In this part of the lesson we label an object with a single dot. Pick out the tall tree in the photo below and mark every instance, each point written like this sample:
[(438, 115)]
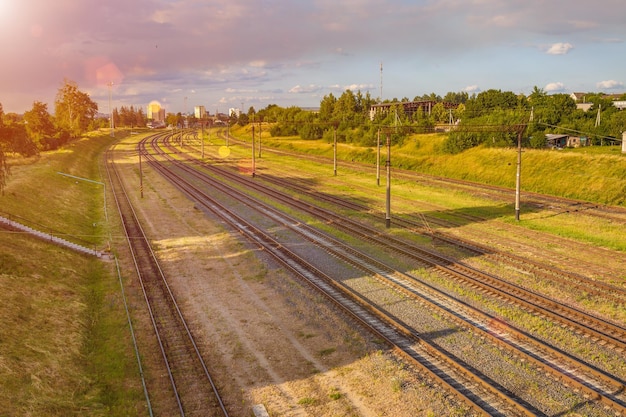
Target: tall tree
[(492, 99), (4, 167), (327, 107), (39, 124), (74, 109), (139, 119), (345, 108)]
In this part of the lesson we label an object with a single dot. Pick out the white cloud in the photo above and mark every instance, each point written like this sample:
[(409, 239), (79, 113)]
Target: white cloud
[(161, 16), (230, 90), (609, 84), (472, 89), (299, 89), (356, 87), (258, 64), (559, 48), (554, 87)]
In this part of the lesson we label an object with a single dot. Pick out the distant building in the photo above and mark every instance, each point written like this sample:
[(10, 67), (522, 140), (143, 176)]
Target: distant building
[(410, 107), (155, 112), (578, 97), (199, 112), (556, 141), (620, 104), (566, 141), (581, 102)]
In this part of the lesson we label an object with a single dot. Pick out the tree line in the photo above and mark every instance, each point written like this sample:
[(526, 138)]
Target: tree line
[(129, 117), (493, 117), (490, 117), (37, 130)]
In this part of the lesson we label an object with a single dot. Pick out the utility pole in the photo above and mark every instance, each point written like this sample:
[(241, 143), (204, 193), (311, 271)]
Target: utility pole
[(260, 136), (140, 175), (202, 137), (185, 122), (253, 160), (388, 199), (335, 150), (378, 157), (110, 84), (518, 174)]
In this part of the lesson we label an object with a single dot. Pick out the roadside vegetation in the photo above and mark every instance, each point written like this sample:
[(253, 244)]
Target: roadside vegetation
[(64, 339), (480, 143), (595, 174)]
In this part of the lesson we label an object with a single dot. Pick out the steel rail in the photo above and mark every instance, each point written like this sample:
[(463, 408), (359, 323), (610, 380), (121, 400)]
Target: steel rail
[(604, 396), (164, 332), (288, 257)]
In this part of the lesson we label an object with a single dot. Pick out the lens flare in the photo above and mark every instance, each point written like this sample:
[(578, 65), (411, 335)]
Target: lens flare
[(224, 151)]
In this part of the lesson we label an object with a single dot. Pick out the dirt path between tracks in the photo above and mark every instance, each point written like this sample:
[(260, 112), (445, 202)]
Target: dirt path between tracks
[(267, 338)]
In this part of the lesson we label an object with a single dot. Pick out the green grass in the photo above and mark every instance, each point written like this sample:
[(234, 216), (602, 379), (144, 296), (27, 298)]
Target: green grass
[(596, 174), (64, 339), (307, 401)]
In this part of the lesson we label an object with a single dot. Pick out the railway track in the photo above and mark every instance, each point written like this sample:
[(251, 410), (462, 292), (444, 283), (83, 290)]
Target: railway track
[(557, 204), (602, 330), (596, 390), (588, 285), (604, 281), (471, 388), (192, 391)]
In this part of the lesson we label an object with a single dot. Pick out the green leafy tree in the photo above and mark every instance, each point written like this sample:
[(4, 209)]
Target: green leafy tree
[(18, 140), (439, 113), (39, 124), (242, 120), (75, 111), (140, 117), (124, 117), (555, 108), (116, 118), (456, 98), (345, 109), (252, 115), (489, 100), (4, 167), (459, 112), (308, 128), (327, 108)]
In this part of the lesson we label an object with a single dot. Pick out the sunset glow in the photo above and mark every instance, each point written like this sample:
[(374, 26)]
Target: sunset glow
[(222, 53)]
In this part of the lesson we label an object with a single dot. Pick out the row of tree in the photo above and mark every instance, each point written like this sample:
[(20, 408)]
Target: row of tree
[(492, 117), (129, 117), (37, 129)]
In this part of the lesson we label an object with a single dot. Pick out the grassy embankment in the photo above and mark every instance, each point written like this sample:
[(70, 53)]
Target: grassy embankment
[(596, 174), (593, 174), (64, 340)]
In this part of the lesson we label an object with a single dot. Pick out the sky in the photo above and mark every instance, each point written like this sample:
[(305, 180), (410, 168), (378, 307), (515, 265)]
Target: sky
[(225, 54)]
